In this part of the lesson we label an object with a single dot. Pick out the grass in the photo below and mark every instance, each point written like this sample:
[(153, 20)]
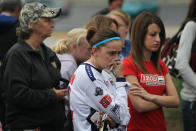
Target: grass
[(174, 116)]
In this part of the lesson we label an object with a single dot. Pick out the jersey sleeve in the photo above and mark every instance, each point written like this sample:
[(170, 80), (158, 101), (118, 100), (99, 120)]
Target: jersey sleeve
[(114, 105), (129, 68), (164, 67)]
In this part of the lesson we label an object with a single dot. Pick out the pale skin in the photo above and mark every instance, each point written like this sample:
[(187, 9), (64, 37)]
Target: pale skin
[(82, 51), (141, 100), (41, 31), (107, 57)]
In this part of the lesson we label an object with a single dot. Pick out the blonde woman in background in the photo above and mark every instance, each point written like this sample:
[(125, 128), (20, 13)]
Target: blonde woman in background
[(124, 24), (60, 47), (72, 51)]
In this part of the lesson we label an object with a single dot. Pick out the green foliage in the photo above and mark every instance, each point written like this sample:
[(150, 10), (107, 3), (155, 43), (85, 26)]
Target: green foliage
[(178, 84), (173, 116)]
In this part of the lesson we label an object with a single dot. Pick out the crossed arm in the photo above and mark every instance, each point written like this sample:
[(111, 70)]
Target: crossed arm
[(143, 101)]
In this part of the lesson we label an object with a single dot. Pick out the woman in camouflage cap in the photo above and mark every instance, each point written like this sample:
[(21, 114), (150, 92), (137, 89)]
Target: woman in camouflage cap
[(31, 74)]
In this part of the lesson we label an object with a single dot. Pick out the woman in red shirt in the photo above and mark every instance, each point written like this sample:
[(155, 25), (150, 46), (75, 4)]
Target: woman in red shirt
[(152, 87)]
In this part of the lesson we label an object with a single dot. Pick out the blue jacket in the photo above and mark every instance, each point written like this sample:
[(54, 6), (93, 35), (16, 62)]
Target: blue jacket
[(8, 36), (125, 50)]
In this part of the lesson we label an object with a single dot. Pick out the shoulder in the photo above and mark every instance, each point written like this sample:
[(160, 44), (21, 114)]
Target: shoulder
[(188, 35), (164, 67), (129, 67), (83, 77), (162, 63), (190, 25), (106, 73), (7, 22), (128, 44), (66, 58), (128, 63), (89, 69), (128, 60), (17, 54), (16, 49), (68, 63)]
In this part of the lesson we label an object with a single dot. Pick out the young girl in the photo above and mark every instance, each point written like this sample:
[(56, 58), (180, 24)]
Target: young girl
[(152, 87), (92, 89)]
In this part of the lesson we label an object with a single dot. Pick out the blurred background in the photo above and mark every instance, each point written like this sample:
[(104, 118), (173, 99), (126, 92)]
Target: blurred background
[(76, 13)]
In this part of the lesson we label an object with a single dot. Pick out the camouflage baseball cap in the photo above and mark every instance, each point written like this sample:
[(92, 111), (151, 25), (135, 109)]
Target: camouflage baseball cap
[(35, 10)]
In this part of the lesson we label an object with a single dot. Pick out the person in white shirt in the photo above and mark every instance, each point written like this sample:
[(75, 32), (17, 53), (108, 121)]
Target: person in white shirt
[(72, 51), (91, 89)]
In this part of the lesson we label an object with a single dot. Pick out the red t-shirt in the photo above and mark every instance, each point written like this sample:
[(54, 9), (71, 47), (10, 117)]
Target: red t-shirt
[(154, 83)]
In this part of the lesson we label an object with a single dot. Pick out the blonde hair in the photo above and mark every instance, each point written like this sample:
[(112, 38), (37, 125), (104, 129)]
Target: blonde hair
[(123, 15), (75, 36), (61, 47)]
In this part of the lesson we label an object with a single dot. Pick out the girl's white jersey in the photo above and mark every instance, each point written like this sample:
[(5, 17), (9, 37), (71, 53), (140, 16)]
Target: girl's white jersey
[(91, 88)]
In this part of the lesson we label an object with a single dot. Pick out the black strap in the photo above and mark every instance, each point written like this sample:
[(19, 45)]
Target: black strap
[(93, 126), (65, 83), (176, 37)]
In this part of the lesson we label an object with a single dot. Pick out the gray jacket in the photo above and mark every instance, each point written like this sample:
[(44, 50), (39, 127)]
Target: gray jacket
[(182, 63)]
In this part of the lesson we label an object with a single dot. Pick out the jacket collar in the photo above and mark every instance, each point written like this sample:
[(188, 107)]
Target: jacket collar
[(29, 49)]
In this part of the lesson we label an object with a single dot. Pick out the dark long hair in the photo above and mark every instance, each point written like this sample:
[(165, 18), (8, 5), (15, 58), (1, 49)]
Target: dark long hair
[(138, 33)]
